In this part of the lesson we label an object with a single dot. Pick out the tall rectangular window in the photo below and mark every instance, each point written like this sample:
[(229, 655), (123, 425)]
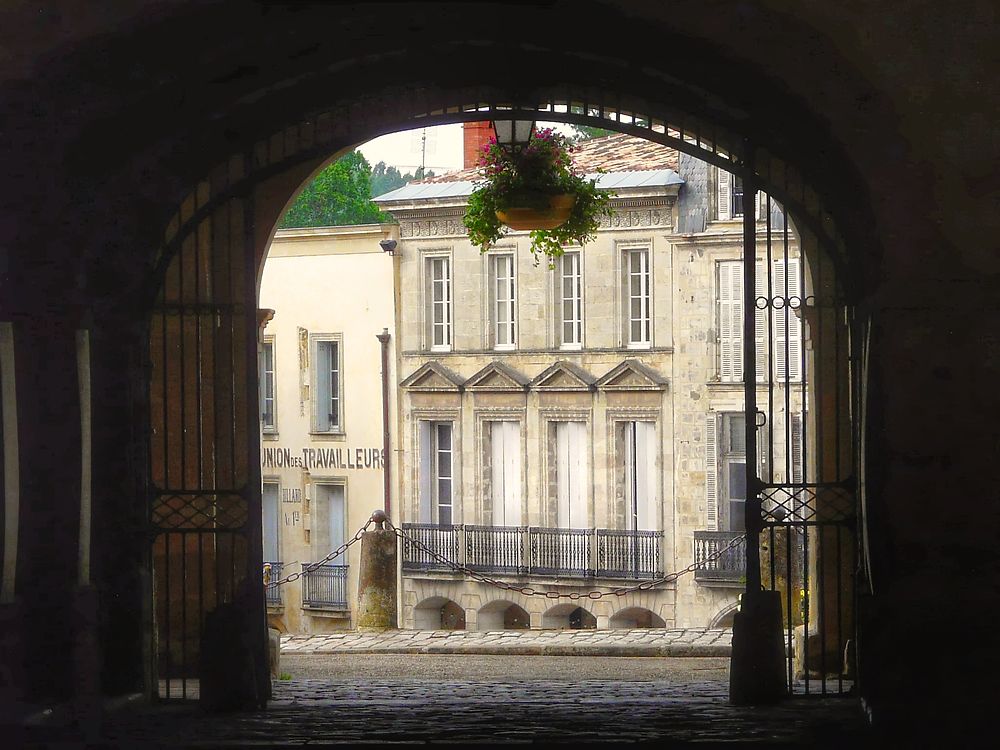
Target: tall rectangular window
[(271, 520), (504, 462), (437, 473), (637, 473), (571, 474), (503, 301), (439, 299), (267, 386), (570, 301), (785, 345), (637, 298), (329, 526), (726, 470), (327, 411)]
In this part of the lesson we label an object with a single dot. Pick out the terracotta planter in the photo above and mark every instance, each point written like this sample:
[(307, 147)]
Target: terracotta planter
[(559, 210)]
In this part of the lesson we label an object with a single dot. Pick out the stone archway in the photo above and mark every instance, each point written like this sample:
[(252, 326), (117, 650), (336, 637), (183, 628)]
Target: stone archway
[(209, 268)]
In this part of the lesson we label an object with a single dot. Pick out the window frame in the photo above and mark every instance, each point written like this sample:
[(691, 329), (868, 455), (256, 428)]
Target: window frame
[(272, 480), (576, 302), (493, 279), (268, 343), (316, 341), (626, 254), (317, 517), (431, 302)]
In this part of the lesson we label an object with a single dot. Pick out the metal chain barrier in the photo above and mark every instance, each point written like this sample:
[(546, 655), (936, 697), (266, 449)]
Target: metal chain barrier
[(571, 595), (313, 566)]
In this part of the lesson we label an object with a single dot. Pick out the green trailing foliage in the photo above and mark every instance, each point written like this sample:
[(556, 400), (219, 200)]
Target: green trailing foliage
[(529, 178)]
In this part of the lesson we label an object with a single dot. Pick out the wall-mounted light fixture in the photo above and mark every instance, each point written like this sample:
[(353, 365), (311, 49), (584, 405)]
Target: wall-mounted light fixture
[(388, 246)]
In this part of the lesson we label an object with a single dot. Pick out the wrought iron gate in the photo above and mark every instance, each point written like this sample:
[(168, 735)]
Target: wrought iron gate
[(797, 327), (204, 465)]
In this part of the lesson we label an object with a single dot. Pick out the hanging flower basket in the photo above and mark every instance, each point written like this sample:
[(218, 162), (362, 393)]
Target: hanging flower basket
[(535, 188), (555, 213)]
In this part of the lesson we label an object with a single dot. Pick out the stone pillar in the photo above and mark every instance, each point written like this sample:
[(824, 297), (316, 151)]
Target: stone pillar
[(377, 578), (757, 664)]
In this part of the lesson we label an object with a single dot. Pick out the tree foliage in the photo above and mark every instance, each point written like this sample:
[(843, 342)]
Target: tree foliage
[(385, 179), (586, 132), (340, 194)]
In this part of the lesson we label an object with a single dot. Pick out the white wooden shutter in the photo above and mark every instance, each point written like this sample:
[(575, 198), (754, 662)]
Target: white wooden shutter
[(426, 474), (760, 323), (797, 464), (506, 471), (787, 325), (724, 194), (712, 472), (730, 321), (571, 474), (336, 514), (645, 469), (269, 503)]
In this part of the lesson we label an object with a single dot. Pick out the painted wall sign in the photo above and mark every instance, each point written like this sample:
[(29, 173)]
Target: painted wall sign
[(323, 458)]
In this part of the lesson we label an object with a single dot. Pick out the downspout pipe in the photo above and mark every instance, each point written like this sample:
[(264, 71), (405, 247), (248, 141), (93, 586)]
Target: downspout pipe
[(386, 452)]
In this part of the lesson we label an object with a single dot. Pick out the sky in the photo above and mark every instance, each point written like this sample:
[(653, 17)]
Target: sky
[(408, 149)]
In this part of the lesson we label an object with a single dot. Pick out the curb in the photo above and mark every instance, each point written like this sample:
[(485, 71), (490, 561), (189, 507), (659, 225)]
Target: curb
[(674, 650)]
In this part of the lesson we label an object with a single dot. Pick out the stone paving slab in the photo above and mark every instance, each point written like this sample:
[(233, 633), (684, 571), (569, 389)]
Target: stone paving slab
[(641, 642)]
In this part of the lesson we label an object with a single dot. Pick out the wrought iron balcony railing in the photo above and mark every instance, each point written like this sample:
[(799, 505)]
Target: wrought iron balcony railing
[(272, 594), (325, 586), (530, 550), (730, 566)]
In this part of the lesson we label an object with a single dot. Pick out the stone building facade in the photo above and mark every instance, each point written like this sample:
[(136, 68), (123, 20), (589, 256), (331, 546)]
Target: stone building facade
[(575, 426)]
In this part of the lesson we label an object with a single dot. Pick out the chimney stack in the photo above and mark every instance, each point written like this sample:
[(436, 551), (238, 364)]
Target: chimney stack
[(475, 135)]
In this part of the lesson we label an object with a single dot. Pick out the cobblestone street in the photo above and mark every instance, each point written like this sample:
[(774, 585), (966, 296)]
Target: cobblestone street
[(336, 698)]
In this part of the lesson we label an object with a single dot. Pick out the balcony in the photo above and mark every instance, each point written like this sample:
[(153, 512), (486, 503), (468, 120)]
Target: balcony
[(272, 594), (530, 550), (325, 587), (730, 568)]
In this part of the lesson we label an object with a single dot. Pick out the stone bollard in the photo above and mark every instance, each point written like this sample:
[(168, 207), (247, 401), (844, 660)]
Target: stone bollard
[(377, 578), (757, 665)]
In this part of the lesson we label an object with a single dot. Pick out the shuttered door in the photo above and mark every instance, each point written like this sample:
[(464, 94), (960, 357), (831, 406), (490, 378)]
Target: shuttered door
[(506, 473), (571, 474)]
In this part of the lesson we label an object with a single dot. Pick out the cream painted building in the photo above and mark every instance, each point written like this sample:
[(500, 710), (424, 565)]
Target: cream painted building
[(322, 450), (577, 427)]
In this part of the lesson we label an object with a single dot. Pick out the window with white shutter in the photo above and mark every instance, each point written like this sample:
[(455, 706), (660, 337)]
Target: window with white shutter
[(730, 322), (267, 386), (437, 498), (787, 324), (571, 474), (330, 524), (711, 471), (439, 303), (639, 475), (503, 301), (637, 298), (729, 197), (327, 390), (569, 301), (724, 195), (271, 515), (505, 472)]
